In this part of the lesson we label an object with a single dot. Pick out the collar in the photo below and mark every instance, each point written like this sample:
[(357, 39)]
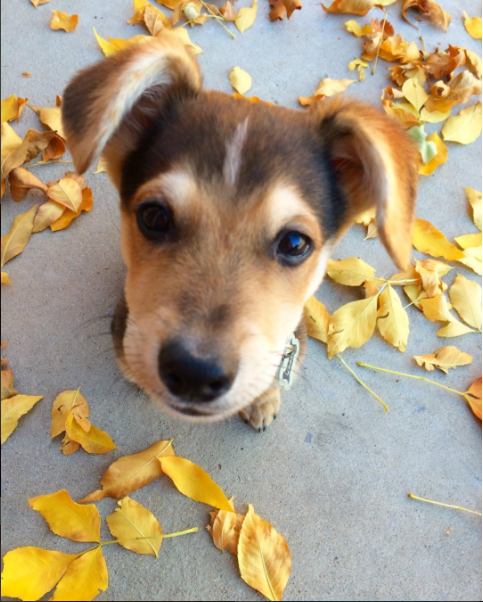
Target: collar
[(285, 374)]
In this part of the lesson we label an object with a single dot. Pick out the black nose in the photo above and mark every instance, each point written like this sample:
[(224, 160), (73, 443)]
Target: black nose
[(192, 378)]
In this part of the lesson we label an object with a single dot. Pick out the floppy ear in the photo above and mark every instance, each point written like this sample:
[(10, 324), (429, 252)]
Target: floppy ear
[(108, 106), (376, 164)]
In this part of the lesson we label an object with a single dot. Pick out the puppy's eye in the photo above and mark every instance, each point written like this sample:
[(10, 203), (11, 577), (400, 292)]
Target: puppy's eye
[(154, 219), (293, 247)]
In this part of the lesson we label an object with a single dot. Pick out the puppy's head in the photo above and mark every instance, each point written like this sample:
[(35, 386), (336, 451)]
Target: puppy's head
[(229, 213)]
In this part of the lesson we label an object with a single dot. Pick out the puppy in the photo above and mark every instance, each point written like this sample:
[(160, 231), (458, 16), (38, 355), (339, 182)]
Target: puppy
[(229, 212)]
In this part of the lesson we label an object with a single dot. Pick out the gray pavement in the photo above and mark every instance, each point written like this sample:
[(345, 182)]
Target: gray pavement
[(332, 474)]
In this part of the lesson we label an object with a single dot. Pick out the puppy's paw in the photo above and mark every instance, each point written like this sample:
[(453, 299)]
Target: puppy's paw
[(263, 410)]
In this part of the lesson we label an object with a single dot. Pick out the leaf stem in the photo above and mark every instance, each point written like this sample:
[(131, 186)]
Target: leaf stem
[(363, 384), (421, 499), (219, 20), (50, 161), (426, 380), (380, 43), (163, 536)]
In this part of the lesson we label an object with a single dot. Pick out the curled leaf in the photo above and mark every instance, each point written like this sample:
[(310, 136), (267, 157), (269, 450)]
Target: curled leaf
[(474, 199), (94, 441), (68, 215), (51, 117), (132, 472), (63, 404), (12, 108), (430, 8), (21, 181), (67, 192), (444, 358), (63, 21), (66, 518)]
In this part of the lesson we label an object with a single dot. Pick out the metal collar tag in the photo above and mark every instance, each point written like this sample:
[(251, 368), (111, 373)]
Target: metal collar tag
[(289, 359)]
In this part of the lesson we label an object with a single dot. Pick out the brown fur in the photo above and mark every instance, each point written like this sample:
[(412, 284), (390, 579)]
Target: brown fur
[(234, 175)]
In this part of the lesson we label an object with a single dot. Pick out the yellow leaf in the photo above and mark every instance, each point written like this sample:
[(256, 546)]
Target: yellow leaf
[(38, 2), (463, 86), (431, 272), (444, 358), (66, 518), (473, 26), (68, 215), (393, 321), (12, 108), (29, 573), (153, 18), (465, 296), (225, 529), (194, 482), (414, 93), (429, 240), (403, 112), (83, 578), (354, 28), (67, 192), (132, 472), (94, 441), (14, 154), (436, 309), (473, 62), (240, 80), (316, 319), (13, 408), (331, 87), (51, 117), (5, 279), (352, 325), (245, 17), (132, 520), (16, 239), (107, 47), (439, 159), (63, 404), (469, 240), (453, 329), (474, 199), (171, 4), (101, 166), (473, 397), (263, 556), (430, 8), (351, 271), (48, 213), (21, 181), (63, 21), (472, 259), (465, 127), (355, 7)]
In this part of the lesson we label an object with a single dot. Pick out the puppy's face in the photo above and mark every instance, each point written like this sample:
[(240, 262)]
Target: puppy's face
[(229, 213)]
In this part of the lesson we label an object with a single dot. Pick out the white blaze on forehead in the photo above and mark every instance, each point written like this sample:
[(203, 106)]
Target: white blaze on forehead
[(284, 204), (233, 155), (177, 186)]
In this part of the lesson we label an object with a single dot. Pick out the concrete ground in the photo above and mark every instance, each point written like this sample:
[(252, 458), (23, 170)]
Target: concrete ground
[(332, 474)]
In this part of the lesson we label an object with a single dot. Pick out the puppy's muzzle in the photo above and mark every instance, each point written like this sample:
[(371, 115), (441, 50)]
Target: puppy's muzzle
[(194, 379)]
